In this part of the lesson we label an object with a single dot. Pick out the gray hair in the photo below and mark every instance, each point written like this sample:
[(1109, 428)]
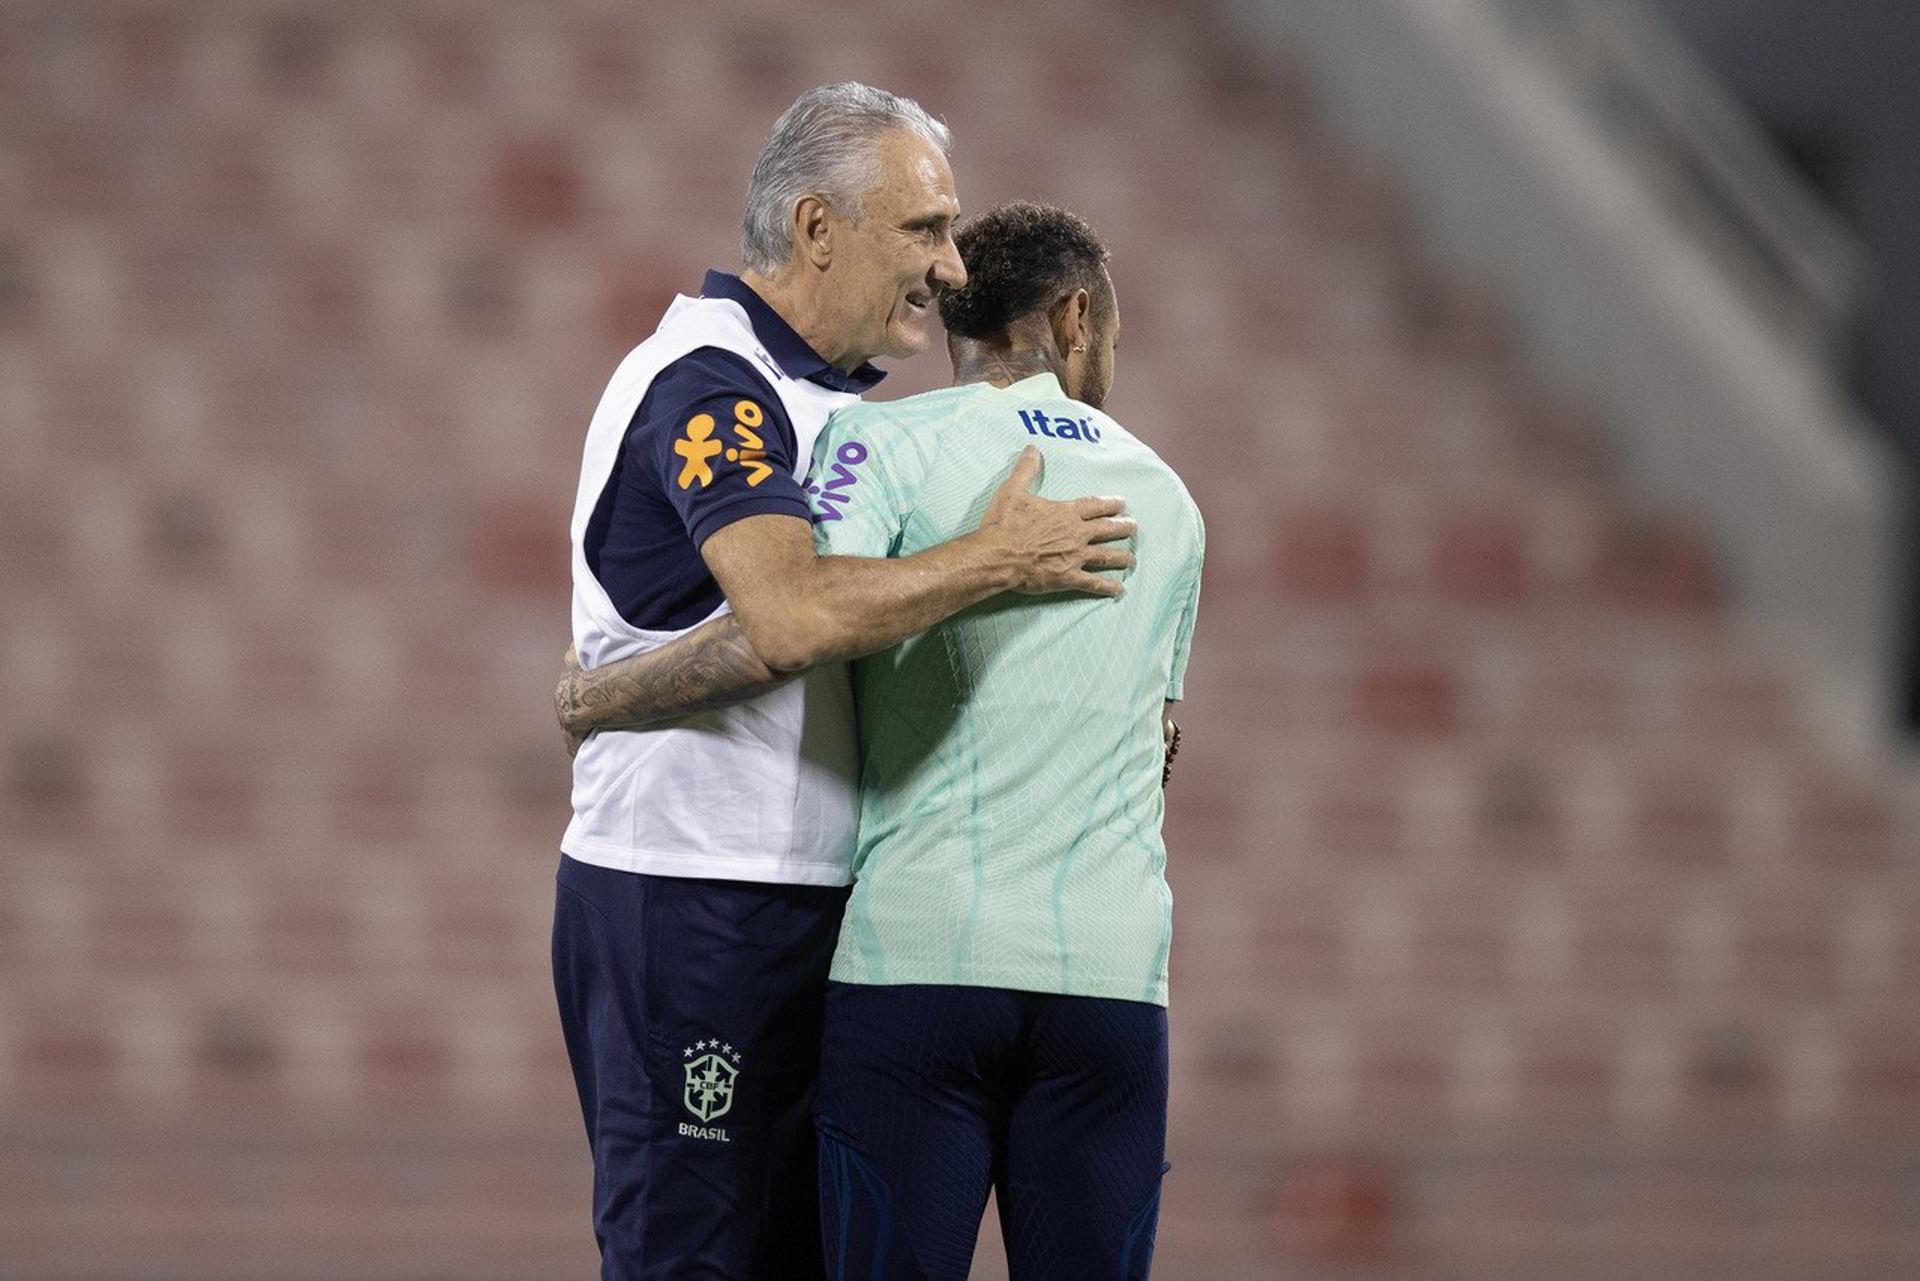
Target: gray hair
[(824, 145)]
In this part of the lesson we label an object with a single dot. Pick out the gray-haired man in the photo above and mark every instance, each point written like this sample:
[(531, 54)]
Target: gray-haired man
[(704, 872)]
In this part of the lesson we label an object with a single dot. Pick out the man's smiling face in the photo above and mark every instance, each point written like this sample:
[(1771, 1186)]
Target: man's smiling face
[(900, 252)]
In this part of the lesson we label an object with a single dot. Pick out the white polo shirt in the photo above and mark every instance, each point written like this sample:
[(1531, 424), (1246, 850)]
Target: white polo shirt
[(765, 790)]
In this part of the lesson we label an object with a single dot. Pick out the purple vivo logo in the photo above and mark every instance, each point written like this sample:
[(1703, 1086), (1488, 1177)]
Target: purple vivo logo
[(837, 489)]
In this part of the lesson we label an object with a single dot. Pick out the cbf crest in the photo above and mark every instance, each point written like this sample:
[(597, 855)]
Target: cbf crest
[(712, 1068)]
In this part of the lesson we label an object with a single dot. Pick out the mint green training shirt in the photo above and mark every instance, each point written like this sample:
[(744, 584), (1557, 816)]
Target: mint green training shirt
[(1010, 789)]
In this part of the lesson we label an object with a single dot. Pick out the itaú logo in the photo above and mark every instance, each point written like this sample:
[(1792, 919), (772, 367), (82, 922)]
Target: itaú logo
[(1038, 424)]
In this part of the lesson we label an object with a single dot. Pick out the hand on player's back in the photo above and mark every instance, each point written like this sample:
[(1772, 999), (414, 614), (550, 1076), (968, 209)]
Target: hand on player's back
[(1054, 546)]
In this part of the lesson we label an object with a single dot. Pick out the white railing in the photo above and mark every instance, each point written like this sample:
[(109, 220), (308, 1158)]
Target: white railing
[(1660, 261), (1724, 182)]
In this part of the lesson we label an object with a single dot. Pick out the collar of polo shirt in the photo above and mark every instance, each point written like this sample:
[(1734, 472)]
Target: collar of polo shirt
[(788, 349)]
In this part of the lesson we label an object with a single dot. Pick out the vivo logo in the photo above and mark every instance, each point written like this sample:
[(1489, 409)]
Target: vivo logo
[(836, 489), (1038, 424)]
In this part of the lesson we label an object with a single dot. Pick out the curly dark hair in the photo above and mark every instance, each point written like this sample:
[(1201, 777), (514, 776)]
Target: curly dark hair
[(1021, 258)]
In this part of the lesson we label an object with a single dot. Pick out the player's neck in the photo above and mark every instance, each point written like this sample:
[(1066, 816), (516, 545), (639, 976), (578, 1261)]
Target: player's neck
[(1002, 363)]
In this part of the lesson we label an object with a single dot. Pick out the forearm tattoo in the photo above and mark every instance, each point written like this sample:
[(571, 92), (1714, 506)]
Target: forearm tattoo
[(714, 666)]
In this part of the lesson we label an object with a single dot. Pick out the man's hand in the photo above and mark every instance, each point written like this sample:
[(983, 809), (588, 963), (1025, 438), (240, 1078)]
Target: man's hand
[(1050, 546)]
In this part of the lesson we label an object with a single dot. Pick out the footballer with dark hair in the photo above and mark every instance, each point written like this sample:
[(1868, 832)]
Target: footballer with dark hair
[(996, 1016), (1029, 269)]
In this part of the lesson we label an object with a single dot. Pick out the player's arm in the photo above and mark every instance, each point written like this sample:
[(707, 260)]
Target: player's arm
[(800, 609), (710, 667), (791, 610), (794, 609)]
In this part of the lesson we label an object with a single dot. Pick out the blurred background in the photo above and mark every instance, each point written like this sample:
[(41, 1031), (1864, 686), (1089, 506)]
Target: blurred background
[(1543, 843)]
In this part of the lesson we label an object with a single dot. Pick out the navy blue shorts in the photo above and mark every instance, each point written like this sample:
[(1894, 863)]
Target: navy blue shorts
[(692, 1013), (929, 1095)]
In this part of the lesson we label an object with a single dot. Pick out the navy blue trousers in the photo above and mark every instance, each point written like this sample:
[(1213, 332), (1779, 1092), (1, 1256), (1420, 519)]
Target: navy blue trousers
[(929, 1095), (692, 1013)]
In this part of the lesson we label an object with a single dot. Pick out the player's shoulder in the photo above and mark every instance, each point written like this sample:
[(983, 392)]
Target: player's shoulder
[(1176, 487), (1114, 434), (707, 380), (913, 420), (901, 414), (712, 371)]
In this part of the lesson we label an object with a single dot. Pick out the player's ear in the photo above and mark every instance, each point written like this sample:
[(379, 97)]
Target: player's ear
[(813, 231), (1071, 330)]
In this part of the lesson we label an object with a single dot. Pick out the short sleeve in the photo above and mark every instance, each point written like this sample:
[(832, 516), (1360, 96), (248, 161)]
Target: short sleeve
[(720, 443), (861, 474)]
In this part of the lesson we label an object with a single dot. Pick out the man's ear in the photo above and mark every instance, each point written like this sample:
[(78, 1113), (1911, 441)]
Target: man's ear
[(1071, 332), (813, 231)]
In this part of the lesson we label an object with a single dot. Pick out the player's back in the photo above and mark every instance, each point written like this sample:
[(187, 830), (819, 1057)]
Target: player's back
[(1010, 792)]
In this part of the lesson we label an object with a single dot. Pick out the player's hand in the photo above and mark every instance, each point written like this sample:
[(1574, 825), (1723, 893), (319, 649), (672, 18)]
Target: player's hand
[(1056, 547), (566, 698)]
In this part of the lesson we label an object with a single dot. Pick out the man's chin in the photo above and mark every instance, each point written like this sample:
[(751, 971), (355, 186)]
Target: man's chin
[(904, 342)]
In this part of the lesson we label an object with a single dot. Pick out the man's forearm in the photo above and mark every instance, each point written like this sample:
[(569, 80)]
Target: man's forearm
[(801, 610), (711, 666), (856, 605)]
